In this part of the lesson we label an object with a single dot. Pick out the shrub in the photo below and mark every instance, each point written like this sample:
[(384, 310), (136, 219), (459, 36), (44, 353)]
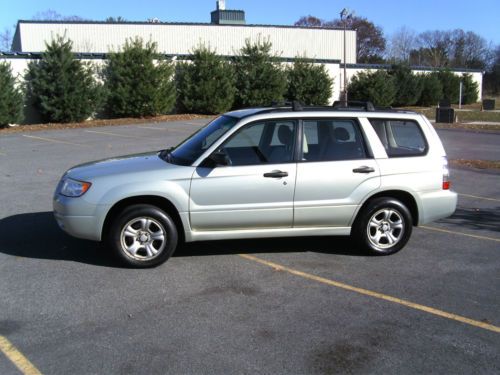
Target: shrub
[(260, 78), (135, 85), (206, 84), (432, 89), (408, 85), (470, 90), (11, 97), (451, 85), (308, 83), (377, 87), (62, 88)]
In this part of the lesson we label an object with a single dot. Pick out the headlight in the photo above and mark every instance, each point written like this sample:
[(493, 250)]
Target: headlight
[(74, 188)]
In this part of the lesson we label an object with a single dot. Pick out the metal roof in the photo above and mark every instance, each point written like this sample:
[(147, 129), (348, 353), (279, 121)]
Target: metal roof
[(182, 24)]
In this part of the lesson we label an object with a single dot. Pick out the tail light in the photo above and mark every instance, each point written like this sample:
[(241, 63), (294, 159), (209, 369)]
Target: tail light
[(446, 174)]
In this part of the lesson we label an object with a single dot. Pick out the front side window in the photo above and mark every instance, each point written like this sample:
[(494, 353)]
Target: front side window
[(400, 137), (269, 142), (332, 139), (192, 148)]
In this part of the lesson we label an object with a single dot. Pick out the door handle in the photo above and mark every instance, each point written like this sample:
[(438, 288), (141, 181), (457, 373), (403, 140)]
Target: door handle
[(276, 174), (363, 169)]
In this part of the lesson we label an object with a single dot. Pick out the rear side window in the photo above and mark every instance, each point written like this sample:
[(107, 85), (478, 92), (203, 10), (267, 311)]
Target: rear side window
[(332, 139), (400, 137)]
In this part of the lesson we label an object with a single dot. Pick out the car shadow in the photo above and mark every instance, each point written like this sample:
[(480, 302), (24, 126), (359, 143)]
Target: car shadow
[(475, 218), (37, 235), (331, 245)]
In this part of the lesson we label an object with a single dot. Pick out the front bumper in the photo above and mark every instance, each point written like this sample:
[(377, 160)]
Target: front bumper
[(78, 217)]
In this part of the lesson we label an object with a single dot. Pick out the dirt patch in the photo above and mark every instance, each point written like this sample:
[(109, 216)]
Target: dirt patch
[(479, 164), (470, 127), (100, 123)]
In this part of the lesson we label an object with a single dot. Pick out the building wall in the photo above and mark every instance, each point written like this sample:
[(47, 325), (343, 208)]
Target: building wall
[(179, 39)]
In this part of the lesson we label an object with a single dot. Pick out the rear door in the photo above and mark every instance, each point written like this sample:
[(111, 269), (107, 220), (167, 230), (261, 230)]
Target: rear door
[(334, 174)]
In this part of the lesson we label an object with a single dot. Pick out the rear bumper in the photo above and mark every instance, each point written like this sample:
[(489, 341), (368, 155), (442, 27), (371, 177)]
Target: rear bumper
[(436, 205)]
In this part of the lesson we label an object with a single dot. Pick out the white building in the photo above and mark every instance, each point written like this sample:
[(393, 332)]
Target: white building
[(181, 38)]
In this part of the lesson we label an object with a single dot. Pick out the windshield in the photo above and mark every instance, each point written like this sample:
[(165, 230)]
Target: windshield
[(192, 148)]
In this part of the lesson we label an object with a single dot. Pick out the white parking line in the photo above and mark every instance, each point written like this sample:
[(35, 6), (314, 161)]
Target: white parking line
[(54, 140), (116, 135), (193, 123)]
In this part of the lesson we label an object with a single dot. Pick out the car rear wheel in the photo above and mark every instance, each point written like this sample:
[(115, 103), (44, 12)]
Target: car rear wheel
[(383, 227), (143, 236)]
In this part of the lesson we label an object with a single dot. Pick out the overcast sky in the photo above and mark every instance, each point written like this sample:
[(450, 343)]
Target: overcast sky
[(480, 16)]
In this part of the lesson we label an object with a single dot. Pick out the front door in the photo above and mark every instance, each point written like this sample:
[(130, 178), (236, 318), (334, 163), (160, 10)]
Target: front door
[(256, 188)]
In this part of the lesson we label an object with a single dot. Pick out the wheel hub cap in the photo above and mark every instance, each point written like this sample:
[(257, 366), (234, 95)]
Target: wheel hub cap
[(143, 238), (385, 228)]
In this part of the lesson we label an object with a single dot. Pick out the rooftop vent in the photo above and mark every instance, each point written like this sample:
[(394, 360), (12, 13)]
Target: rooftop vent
[(221, 16)]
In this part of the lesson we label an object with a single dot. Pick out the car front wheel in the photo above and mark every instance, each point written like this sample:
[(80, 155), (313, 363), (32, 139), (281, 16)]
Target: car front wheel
[(384, 226), (143, 236)]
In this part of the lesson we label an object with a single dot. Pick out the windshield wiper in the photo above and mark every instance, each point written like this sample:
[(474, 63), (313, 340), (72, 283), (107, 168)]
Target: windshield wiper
[(166, 155)]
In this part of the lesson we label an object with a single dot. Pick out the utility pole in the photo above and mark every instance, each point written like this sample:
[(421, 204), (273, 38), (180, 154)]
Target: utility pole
[(345, 15)]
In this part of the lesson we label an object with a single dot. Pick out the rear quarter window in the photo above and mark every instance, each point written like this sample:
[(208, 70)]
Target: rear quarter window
[(400, 137)]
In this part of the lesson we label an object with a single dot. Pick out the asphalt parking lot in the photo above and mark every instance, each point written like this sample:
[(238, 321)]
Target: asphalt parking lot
[(290, 306)]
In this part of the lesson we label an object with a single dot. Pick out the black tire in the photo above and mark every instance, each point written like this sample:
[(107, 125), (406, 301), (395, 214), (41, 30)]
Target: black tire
[(383, 220), (140, 228)]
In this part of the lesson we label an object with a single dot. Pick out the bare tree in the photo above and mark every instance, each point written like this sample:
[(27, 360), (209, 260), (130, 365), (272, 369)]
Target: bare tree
[(492, 76), (470, 50), (370, 38), (402, 43), (6, 40), (436, 48), (309, 21), (52, 15)]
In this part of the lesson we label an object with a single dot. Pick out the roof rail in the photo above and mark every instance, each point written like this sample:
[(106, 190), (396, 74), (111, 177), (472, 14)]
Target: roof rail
[(338, 106), (354, 104), (295, 104)]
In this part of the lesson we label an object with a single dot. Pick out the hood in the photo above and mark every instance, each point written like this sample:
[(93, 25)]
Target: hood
[(137, 163)]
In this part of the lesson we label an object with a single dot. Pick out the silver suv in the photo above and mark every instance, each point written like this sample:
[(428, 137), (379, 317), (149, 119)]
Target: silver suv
[(266, 172)]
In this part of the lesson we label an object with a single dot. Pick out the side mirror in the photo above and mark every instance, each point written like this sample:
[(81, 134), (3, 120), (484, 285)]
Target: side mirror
[(217, 159)]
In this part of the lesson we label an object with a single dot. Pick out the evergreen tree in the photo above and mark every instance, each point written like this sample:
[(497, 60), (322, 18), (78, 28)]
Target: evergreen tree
[(432, 89), (470, 90), (138, 81), (451, 85), (206, 84), (62, 88), (11, 97), (408, 85), (308, 83), (260, 79), (377, 87)]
